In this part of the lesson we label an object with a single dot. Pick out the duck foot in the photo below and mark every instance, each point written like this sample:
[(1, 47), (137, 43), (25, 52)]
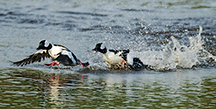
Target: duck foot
[(123, 64), (83, 64), (52, 63)]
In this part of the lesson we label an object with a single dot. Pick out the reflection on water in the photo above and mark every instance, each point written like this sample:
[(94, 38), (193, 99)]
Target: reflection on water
[(26, 88), (54, 89)]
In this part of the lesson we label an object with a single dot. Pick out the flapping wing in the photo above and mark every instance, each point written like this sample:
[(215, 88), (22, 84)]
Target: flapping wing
[(36, 57)]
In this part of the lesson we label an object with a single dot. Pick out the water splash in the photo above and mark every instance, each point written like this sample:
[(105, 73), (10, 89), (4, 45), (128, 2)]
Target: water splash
[(175, 55)]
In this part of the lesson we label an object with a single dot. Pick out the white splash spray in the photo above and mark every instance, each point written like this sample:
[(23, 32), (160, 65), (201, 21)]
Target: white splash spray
[(175, 55)]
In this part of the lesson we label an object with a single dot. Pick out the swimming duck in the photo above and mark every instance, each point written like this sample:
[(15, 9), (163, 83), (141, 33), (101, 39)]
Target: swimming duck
[(57, 52), (120, 58)]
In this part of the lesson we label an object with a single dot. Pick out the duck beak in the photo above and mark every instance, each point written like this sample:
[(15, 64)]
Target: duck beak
[(38, 48), (95, 51)]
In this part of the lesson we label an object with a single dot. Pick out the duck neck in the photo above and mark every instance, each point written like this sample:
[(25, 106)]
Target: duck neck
[(49, 46), (103, 50)]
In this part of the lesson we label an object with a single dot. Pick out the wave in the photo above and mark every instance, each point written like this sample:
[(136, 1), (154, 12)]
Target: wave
[(175, 55)]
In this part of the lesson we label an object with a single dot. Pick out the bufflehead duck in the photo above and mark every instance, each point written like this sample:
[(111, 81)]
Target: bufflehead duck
[(120, 58), (57, 52)]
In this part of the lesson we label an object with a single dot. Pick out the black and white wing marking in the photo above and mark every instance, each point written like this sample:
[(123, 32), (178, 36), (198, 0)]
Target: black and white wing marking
[(67, 58), (121, 53), (36, 57), (62, 46)]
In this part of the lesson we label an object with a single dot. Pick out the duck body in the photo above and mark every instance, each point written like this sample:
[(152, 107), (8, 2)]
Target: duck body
[(63, 55), (120, 58), (112, 58), (58, 53)]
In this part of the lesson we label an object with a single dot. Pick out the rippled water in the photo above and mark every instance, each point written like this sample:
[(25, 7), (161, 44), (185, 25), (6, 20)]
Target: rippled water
[(32, 88), (166, 35)]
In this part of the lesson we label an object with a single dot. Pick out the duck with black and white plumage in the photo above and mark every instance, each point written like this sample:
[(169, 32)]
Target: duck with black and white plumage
[(120, 59), (59, 53)]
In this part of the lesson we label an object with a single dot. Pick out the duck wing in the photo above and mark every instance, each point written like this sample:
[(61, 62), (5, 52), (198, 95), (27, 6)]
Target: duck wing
[(121, 53), (36, 57)]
